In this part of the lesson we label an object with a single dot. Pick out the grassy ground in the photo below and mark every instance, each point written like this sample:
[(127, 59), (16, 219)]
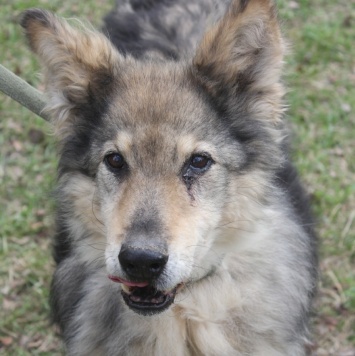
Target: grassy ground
[(321, 77)]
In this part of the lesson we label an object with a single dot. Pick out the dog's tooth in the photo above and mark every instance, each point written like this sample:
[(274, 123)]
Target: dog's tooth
[(158, 300), (126, 289), (135, 298)]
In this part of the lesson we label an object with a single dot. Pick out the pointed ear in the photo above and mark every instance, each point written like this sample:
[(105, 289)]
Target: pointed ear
[(79, 66), (242, 55)]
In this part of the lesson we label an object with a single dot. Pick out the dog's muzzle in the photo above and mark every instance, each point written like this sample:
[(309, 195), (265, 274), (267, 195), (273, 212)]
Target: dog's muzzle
[(143, 267)]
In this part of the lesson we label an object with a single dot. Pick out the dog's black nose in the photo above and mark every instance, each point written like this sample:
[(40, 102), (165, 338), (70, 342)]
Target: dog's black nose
[(142, 264)]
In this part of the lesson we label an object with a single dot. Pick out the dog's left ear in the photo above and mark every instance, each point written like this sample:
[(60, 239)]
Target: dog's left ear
[(241, 56), (79, 67)]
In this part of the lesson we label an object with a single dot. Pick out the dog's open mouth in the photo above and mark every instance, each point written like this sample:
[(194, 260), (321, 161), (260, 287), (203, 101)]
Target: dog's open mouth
[(147, 300), (144, 298)]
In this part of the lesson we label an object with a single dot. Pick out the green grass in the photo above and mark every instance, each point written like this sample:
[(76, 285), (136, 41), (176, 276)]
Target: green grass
[(322, 102), (321, 77)]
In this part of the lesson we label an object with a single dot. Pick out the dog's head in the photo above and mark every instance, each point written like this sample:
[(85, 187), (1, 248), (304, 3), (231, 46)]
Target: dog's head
[(165, 161)]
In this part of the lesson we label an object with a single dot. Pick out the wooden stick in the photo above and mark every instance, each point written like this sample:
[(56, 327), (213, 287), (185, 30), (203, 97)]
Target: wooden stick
[(22, 92)]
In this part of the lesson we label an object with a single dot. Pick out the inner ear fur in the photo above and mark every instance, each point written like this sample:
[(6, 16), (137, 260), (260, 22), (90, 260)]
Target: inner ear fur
[(243, 55), (79, 65)]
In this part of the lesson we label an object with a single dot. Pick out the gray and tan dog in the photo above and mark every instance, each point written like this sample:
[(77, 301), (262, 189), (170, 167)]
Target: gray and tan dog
[(182, 228)]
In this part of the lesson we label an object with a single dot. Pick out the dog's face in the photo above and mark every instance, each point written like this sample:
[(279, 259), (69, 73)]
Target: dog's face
[(162, 184), (170, 153)]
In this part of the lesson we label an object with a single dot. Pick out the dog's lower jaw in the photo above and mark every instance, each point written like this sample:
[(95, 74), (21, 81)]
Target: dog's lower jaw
[(148, 300)]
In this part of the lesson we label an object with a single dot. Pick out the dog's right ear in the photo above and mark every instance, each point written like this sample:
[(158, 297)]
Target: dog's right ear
[(79, 66)]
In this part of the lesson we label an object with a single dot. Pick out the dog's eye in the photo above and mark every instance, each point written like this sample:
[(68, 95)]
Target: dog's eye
[(115, 161), (200, 162), (197, 165)]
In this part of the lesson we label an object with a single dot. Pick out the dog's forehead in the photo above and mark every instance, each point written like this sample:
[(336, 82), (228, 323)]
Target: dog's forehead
[(156, 95), (157, 110)]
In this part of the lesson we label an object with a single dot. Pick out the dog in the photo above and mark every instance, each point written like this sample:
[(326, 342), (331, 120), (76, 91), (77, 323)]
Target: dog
[(181, 224)]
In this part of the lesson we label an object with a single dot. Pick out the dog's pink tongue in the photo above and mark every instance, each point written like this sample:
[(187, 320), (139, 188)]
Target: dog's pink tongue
[(127, 283)]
